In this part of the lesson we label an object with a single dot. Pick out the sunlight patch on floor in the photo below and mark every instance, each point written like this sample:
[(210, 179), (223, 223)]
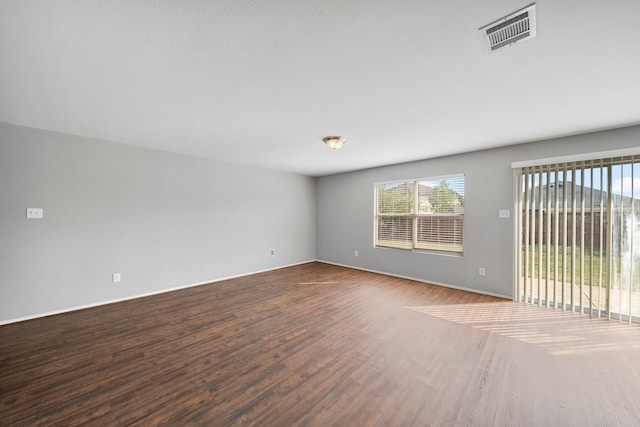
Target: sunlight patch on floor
[(562, 333)]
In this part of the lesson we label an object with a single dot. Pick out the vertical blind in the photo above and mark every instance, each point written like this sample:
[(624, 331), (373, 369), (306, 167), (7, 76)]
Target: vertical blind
[(425, 214), (579, 228)]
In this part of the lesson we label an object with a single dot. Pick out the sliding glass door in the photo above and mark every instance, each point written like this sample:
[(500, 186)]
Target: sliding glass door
[(579, 230)]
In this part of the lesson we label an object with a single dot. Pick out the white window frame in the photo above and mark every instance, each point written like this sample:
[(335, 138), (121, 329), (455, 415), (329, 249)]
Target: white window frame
[(455, 244)]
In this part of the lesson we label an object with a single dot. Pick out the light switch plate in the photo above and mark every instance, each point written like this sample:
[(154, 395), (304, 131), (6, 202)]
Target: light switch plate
[(35, 213), (504, 213)]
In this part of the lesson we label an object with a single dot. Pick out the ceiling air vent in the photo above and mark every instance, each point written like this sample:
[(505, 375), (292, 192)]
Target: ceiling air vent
[(518, 26)]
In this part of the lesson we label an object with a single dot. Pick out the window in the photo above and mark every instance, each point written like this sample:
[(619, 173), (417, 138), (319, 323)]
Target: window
[(579, 229), (421, 215)]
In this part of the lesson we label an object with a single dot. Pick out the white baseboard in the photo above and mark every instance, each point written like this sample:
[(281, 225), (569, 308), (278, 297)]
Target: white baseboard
[(431, 282), (177, 288)]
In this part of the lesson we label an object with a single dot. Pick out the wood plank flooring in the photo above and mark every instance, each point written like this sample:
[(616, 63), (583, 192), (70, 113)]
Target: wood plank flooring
[(319, 345)]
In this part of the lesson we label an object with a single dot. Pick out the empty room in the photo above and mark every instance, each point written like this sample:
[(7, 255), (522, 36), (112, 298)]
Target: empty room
[(362, 213)]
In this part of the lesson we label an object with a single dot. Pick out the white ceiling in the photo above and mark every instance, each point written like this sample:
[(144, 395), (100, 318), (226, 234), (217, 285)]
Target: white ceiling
[(261, 82)]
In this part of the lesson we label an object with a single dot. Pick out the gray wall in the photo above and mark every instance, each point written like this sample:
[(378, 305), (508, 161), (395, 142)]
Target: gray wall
[(346, 208), (162, 220)]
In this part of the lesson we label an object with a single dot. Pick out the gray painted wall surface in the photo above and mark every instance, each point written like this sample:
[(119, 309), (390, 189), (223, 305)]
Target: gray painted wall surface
[(162, 220), (165, 220), (346, 211)]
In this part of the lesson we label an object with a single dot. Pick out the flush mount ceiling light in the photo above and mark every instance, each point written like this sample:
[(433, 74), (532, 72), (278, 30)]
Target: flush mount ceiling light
[(334, 142)]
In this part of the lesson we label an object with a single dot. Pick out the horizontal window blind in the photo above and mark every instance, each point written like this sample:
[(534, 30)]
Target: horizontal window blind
[(426, 214)]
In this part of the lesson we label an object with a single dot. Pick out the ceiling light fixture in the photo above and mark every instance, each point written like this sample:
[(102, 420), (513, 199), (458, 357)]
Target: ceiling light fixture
[(334, 142)]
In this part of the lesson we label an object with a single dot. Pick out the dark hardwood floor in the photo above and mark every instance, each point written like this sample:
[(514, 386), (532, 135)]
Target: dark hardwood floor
[(319, 345)]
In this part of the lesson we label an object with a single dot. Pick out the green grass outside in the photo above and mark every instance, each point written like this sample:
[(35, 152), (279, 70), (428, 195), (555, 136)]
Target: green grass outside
[(595, 268)]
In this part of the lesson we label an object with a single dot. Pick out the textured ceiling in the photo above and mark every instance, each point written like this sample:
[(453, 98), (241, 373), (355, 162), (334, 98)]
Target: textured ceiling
[(261, 82)]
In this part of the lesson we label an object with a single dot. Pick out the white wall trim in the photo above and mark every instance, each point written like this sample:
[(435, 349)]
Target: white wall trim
[(429, 282), (177, 288), (113, 301), (577, 157)]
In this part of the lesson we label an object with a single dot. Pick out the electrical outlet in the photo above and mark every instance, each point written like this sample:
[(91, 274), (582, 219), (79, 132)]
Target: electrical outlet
[(482, 271), (116, 277), (355, 253)]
